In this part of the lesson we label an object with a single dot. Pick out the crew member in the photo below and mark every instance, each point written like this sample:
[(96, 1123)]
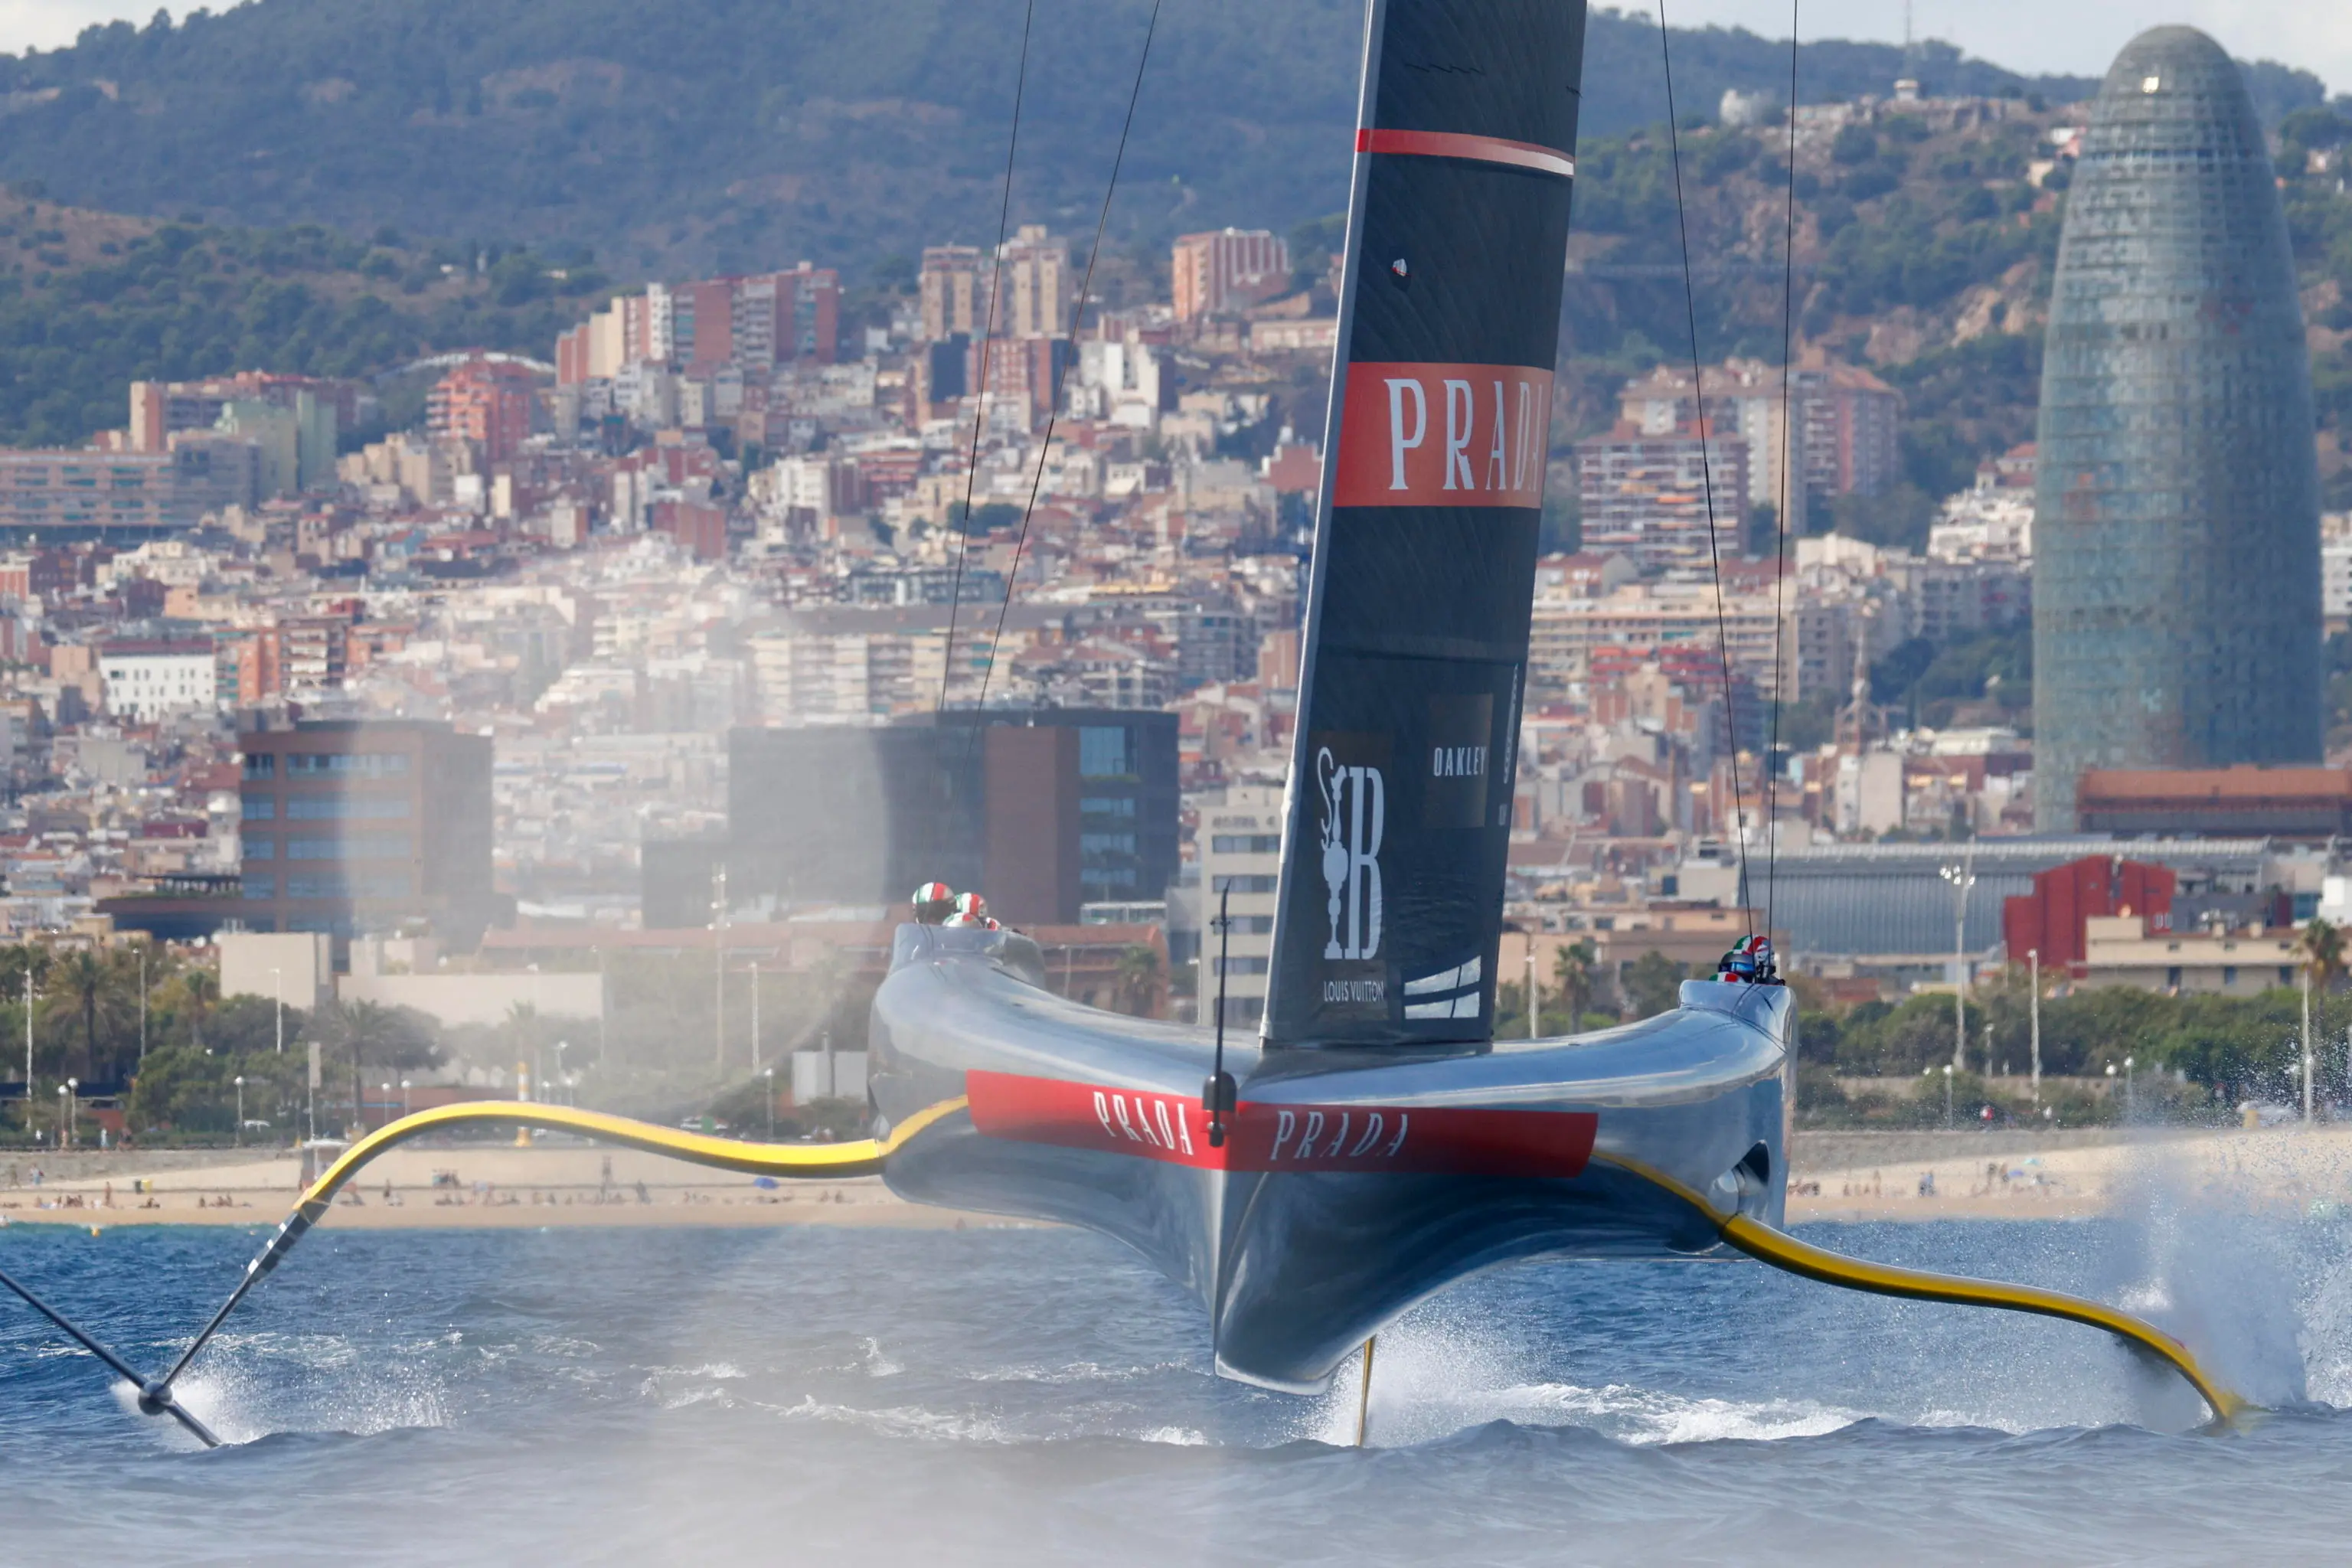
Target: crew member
[(1749, 962), (934, 902)]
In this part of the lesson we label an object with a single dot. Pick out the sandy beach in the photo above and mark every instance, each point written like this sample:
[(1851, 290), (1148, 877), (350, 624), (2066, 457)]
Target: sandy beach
[(1992, 1176), (466, 1185), (558, 1182)]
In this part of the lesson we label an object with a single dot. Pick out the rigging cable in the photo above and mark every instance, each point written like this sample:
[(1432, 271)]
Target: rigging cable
[(1780, 512), (1078, 319), (980, 397), (1706, 469)]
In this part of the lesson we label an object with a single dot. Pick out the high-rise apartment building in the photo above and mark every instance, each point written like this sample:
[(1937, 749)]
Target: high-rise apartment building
[(1042, 810), (753, 323), (294, 419), (1034, 267), (1846, 427), (702, 325), (486, 402), (1241, 860), (1848, 436), (1649, 495), (352, 826), (2175, 532), (1225, 269), (953, 289)]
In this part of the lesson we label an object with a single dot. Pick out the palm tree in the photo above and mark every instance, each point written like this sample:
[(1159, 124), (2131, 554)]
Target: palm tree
[(1138, 980), (92, 986), (202, 988), (365, 1031), (2322, 944), (1572, 971)]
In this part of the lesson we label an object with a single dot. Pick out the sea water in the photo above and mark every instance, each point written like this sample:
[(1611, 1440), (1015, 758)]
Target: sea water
[(1015, 1396)]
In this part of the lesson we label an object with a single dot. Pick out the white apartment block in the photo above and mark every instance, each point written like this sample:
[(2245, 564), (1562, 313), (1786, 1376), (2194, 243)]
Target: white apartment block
[(2335, 567), (146, 680), (1241, 850), (812, 675)]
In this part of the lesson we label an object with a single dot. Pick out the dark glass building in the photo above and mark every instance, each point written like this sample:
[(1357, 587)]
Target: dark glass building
[(1042, 810), (2175, 575), (360, 826)]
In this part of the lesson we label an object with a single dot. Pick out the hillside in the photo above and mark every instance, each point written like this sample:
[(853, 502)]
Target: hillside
[(720, 133), (855, 133), (91, 301), (1924, 254)]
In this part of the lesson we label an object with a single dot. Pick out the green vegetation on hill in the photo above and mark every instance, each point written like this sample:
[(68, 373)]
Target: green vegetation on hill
[(90, 302), (1926, 255), (719, 135), (725, 132)]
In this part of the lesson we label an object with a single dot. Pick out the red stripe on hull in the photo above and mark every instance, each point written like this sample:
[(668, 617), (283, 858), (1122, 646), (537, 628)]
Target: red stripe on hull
[(1173, 1129)]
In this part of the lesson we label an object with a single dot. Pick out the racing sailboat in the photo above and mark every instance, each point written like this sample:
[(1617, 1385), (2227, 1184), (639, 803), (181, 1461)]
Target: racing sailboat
[(1376, 1143)]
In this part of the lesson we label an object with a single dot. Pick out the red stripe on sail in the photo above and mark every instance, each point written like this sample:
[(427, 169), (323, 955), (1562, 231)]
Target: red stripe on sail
[(1420, 1141), (1459, 144)]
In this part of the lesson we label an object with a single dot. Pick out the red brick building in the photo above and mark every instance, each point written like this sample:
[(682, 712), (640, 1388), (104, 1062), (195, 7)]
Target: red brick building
[(2049, 919), (486, 403)]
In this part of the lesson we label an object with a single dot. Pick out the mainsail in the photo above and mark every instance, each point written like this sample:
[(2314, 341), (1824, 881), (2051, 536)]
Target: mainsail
[(1416, 639)]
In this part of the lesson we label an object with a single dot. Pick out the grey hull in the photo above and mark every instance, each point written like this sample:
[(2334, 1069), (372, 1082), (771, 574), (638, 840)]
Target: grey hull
[(1356, 1183)]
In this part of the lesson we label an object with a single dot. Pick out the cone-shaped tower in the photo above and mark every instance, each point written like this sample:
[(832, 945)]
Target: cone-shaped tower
[(2176, 578)]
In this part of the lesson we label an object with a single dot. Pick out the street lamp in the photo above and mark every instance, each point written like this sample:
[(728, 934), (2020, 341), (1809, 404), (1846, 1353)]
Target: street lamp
[(561, 1076), (404, 1096), (2033, 960), (65, 1116), (2130, 1106), (387, 1105), (2310, 1059), (1535, 1006), (1948, 1097), (769, 1074), (2111, 1078), (719, 965), (239, 1139), (1962, 876)]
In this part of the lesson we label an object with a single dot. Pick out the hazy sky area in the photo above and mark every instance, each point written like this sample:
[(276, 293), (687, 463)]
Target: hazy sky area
[(2080, 38), (2024, 35)]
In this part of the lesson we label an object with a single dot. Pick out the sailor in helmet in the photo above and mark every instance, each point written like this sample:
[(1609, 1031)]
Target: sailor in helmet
[(972, 910), (1749, 962), (934, 902)]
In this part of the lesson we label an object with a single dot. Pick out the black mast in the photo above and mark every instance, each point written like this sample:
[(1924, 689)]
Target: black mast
[(1400, 812)]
